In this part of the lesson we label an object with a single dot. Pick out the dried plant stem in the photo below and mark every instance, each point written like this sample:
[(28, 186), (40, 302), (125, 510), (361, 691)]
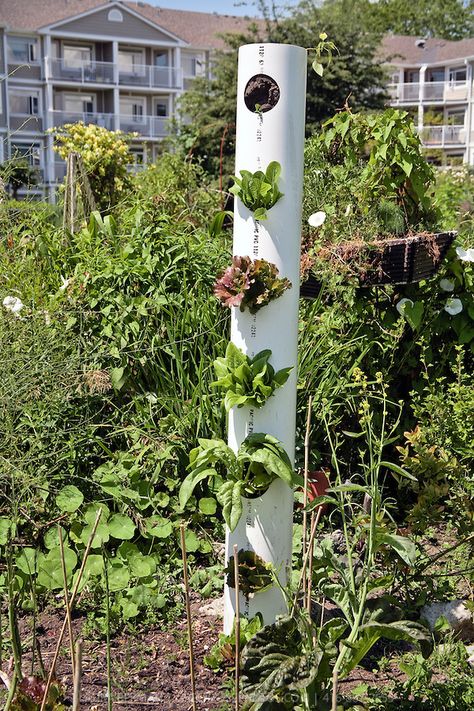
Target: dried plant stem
[(310, 565), (76, 699), (305, 561), (237, 627), (305, 486), (188, 616), (66, 602), (334, 690), (107, 634), (71, 603)]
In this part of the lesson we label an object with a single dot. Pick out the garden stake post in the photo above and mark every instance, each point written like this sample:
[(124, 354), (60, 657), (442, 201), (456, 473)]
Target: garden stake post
[(270, 127)]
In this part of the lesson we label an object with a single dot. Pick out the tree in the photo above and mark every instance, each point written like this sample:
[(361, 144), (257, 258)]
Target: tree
[(17, 173), (353, 76), (447, 19)]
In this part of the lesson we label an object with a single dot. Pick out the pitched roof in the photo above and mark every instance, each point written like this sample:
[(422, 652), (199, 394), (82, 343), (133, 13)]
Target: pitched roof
[(414, 51), (199, 29)]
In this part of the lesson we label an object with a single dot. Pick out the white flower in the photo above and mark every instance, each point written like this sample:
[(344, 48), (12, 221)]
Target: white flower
[(446, 285), (465, 255), (317, 219), (453, 306), (348, 210), (65, 283), (402, 305), (13, 304)]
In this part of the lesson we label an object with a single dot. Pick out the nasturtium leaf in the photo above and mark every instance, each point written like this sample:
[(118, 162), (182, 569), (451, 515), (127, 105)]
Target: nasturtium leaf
[(27, 561), (121, 527), (51, 537), (191, 541), (50, 574), (69, 499), (118, 575), (5, 528), (158, 527), (129, 608), (208, 506)]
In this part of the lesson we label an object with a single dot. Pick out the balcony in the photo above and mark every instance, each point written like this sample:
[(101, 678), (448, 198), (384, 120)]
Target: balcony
[(25, 122), (81, 72), (443, 136), (430, 91), (143, 76), (146, 126), (104, 120)]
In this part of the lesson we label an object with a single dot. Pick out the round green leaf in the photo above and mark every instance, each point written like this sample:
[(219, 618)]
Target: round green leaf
[(26, 561), (119, 576), (50, 574), (158, 527), (208, 506), (69, 499), (121, 527), (51, 537)]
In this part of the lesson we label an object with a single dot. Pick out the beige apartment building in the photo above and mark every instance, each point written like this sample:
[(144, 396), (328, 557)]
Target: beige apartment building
[(123, 65)]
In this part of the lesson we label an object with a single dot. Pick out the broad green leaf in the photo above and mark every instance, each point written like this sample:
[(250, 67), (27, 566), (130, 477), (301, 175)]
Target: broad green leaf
[(191, 481), (26, 561), (5, 528), (398, 470), (405, 548), (318, 68), (69, 499), (229, 497), (260, 213), (121, 527), (51, 537), (118, 575), (158, 527), (50, 574), (208, 506)]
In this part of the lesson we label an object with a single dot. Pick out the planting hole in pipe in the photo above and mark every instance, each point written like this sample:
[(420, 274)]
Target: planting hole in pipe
[(261, 94)]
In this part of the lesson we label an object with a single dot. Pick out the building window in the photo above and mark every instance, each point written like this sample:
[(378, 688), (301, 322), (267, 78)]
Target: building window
[(24, 103), (22, 50), (161, 107), (133, 107), (77, 56), (193, 66), (131, 62), (458, 75), (138, 154), (161, 59), (31, 152), (456, 118), (115, 16), (79, 103), (435, 75)]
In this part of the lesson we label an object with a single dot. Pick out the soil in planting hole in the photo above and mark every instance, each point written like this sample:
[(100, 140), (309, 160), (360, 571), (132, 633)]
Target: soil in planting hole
[(262, 93)]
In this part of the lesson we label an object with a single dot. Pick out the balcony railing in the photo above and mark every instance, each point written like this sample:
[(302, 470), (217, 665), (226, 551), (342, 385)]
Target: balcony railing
[(62, 117), (441, 136), (26, 122), (429, 91), (81, 72), (91, 72), (146, 126)]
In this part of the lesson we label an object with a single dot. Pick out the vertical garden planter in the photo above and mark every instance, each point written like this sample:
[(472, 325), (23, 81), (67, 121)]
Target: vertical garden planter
[(270, 127)]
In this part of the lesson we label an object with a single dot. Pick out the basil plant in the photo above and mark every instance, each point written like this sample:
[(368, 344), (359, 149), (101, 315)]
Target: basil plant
[(259, 460)]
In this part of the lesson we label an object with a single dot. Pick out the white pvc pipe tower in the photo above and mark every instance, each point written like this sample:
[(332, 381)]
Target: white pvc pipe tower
[(271, 134)]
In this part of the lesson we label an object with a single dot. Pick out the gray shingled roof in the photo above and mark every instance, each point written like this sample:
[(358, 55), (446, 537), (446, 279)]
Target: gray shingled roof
[(405, 50), (199, 29)]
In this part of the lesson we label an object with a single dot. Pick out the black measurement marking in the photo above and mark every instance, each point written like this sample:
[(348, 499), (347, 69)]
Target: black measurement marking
[(250, 422), (255, 240)]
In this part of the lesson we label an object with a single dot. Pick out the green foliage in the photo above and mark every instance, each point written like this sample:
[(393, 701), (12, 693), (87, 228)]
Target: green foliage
[(254, 574), (250, 284), (223, 652), (247, 381), (260, 459), (258, 191), (444, 19), (18, 173)]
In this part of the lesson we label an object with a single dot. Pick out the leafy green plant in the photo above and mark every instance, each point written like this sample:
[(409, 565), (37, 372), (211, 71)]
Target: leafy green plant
[(247, 381), (254, 574), (258, 191), (260, 460), (249, 284), (223, 652)]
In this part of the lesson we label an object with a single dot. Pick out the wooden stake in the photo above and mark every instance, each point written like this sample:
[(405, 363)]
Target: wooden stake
[(76, 699), (334, 691), (310, 567), (237, 627), (71, 603), (305, 490), (66, 602), (305, 561), (188, 615)]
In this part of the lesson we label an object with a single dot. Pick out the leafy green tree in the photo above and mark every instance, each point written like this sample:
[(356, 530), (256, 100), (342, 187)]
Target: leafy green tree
[(18, 173), (353, 76), (447, 19)]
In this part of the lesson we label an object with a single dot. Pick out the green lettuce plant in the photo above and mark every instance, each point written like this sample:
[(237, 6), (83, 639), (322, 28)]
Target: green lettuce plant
[(255, 575), (259, 460), (258, 191), (247, 381)]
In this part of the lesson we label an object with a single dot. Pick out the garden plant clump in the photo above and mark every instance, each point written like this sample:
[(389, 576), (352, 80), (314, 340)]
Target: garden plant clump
[(116, 380)]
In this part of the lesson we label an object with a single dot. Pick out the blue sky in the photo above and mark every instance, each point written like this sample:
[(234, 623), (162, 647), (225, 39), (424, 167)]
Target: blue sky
[(225, 7)]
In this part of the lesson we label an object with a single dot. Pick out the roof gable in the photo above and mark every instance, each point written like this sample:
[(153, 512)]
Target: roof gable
[(104, 21)]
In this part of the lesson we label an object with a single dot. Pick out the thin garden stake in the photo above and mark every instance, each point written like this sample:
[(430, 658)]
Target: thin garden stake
[(107, 641), (310, 566), (334, 690), (237, 626), (305, 561), (71, 603), (76, 699), (66, 601), (305, 490), (188, 615)]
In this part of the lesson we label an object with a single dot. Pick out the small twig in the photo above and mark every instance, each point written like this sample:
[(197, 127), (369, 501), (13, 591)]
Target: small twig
[(310, 568), (334, 690), (305, 489), (76, 699), (66, 601), (444, 552), (305, 561), (107, 633), (71, 603), (188, 615), (237, 627)]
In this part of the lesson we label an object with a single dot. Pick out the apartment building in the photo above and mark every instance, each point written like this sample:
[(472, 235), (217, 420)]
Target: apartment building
[(433, 79), (121, 65)]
